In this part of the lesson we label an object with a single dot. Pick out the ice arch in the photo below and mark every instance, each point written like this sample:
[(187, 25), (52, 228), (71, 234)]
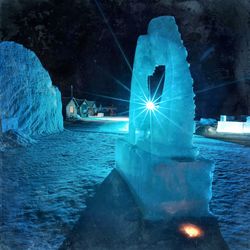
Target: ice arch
[(174, 118), (26, 92)]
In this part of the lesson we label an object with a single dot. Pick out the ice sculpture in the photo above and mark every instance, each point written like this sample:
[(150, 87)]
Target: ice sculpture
[(163, 46), (26, 92), (158, 159)]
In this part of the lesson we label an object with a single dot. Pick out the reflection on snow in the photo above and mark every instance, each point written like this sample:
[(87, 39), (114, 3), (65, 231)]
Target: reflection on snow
[(44, 187)]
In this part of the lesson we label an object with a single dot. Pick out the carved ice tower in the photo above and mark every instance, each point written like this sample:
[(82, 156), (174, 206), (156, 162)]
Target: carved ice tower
[(174, 117), (158, 159)]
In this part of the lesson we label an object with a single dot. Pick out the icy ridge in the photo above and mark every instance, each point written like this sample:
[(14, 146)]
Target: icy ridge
[(27, 93)]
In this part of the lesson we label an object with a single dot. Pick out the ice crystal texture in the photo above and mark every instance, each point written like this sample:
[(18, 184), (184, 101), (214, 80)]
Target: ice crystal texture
[(158, 159), (27, 95)]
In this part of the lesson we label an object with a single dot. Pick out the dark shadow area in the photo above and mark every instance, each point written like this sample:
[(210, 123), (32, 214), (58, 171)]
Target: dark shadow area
[(112, 220), (156, 83), (76, 45)]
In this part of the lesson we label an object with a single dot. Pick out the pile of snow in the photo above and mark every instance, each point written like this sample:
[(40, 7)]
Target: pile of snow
[(27, 94), (233, 127), (12, 139), (206, 126)]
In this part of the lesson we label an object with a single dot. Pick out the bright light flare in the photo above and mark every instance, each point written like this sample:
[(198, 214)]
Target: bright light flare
[(150, 105), (191, 230)]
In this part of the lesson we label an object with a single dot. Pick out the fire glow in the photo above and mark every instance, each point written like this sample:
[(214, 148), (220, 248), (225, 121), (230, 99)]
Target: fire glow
[(191, 230)]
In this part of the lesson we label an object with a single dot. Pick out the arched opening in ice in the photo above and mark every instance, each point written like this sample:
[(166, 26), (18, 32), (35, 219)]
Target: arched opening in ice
[(156, 83)]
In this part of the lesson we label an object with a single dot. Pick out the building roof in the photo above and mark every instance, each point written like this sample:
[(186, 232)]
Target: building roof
[(78, 102), (89, 103)]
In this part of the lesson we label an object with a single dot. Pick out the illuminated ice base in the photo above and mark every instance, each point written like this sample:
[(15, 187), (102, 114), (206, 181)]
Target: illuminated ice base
[(165, 187)]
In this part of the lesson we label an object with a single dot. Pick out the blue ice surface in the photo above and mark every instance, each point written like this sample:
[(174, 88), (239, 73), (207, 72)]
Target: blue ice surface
[(158, 159), (171, 122), (27, 93)]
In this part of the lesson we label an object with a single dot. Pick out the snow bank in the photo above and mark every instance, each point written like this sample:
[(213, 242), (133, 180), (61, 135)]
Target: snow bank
[(27, 94), (233, 127), (12, 139)]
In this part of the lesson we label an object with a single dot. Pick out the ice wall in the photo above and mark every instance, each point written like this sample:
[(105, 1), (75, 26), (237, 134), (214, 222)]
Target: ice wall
[(27, 93), (158, 159), (173, 118)]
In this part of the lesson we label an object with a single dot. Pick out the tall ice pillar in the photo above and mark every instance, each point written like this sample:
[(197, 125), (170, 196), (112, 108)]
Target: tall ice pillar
[(158, 159)]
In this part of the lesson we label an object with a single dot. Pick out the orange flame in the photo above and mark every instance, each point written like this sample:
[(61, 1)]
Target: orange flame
[(191, 230)]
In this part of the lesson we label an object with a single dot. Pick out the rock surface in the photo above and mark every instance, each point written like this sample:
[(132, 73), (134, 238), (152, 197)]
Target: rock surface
[(112, 220)]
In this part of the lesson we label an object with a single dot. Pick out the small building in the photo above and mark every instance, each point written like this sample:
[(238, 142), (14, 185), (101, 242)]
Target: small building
[(88, 108), (74, 107)]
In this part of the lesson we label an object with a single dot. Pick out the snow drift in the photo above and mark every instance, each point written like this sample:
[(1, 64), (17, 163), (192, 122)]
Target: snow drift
[(27, 94)]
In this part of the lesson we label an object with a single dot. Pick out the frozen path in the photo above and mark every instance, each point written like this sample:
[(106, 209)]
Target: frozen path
[(44, 187)]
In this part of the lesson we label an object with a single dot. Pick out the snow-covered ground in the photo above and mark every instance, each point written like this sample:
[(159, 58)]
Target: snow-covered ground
[(44, 187)]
